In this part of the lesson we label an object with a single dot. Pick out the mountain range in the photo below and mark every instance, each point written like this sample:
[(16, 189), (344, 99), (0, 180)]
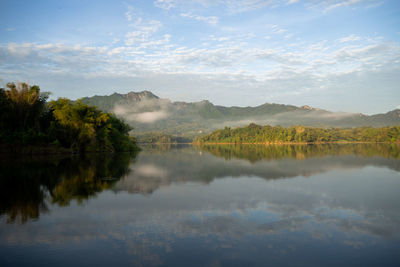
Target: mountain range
[(148, 113)]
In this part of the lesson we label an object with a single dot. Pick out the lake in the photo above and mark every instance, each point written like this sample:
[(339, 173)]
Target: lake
[(243, 205)]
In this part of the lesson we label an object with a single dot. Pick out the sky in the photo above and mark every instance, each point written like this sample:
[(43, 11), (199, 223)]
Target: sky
[(339, 55)]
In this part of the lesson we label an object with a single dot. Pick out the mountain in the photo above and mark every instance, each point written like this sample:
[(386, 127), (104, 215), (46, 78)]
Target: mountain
[(107, 102), (148, 113)]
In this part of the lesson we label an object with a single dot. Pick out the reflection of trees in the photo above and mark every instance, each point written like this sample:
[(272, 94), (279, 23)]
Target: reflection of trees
[(157, 168), (91, 175), (27, 186), (27, 183), (255, 153)]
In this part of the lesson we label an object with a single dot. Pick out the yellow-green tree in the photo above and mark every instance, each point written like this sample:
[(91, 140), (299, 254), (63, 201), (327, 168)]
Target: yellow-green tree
[(83, 125)]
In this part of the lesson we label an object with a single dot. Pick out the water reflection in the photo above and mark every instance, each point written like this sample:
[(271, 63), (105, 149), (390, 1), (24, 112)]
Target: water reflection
[(29, 185), (210, 206), (254, 153), (162, 165)]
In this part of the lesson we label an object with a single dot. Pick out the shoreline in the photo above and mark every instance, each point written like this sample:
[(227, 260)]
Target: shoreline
[(48, 149), (292, 143)]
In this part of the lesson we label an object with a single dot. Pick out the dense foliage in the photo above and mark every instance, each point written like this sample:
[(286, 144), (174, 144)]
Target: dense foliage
[(26, 118), (300, 134)]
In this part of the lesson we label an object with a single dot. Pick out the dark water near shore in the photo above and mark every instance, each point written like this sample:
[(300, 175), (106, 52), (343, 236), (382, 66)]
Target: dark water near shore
[(249, 205)]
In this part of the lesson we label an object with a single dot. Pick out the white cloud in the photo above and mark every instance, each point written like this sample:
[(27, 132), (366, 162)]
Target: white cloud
[(165, 4), (227, 57), (226, 63), (350, 38), (288, 36), (259, 53), (212, 20), (128, 14), (333, 4), (233, 6), (240, 6), (143, 31), (275, 29), (342, 3)]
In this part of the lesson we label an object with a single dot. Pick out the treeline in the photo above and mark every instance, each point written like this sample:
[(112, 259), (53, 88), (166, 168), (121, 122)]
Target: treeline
[(161, 138), (27, 119), (301, 134)]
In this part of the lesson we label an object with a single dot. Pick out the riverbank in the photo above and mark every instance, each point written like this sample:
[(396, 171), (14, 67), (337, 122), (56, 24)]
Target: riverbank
[(47, 149), (291, 143)]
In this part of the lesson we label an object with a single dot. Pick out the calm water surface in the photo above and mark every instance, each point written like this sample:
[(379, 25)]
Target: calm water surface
[(316, 205)]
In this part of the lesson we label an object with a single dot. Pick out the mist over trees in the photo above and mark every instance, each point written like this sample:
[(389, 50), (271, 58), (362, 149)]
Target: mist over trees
[(154, 118), (26, 118)]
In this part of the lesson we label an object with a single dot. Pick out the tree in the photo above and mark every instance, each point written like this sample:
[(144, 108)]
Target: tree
[(80, 123), (27, 105)]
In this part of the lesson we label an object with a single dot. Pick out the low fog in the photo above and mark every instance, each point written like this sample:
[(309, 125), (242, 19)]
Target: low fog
[(145, 111), (180, 118)]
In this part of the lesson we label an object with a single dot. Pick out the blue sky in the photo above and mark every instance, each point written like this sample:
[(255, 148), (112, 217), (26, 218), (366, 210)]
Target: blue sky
[(340, 55)]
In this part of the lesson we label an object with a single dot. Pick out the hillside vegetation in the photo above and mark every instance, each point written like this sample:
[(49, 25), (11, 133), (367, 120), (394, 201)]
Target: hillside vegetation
[(28, 120), (301, 134), (153, 115)]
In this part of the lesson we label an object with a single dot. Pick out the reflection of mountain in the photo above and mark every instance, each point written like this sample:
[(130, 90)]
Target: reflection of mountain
[(28, 184), (349, 206), (155, 168)]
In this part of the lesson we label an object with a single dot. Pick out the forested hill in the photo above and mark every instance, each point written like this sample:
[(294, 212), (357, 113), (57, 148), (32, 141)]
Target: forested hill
[(148, 113), (300, 134)]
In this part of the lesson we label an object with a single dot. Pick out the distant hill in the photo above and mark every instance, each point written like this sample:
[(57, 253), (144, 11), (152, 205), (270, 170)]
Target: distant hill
[(147, 112)]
